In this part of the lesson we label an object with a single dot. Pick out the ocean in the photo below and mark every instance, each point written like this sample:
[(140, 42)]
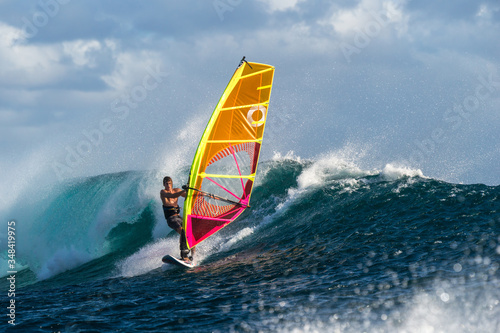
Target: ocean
[(326, 247)]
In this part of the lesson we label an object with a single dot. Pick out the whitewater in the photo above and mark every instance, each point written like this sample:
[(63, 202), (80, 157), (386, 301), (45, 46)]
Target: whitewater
[(328, 246)]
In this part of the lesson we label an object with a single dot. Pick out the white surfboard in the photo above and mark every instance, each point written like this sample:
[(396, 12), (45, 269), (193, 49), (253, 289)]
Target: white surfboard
[(168, 259)]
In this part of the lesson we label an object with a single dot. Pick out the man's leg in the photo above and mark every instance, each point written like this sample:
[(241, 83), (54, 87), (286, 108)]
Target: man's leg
[(175, 223), (183, 241), (183, 245)]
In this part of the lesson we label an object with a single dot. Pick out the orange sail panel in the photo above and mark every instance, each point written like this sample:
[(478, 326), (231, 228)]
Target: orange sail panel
[(225, 163)]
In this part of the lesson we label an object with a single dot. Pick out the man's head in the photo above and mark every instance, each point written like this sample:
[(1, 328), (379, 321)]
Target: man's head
[(167, 180)]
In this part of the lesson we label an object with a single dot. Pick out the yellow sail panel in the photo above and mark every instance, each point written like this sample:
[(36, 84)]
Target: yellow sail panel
[(226, 160)]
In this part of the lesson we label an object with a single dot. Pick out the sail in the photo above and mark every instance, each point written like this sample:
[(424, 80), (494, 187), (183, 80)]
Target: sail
[(225, 163)]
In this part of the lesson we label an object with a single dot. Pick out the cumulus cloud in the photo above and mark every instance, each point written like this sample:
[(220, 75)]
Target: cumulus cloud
[(24, 64), (130, 68), (82, 52), (369, 12), (281, 5)]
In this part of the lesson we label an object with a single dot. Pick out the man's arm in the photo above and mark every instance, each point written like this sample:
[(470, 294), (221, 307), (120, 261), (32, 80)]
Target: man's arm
[(178, 192), (182, 192)]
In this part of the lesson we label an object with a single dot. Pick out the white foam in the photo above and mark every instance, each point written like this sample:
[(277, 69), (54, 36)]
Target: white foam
[(334, 167), (290, 155), (245, 232), (62, 260), (148, 257), (392, 172), (348, 185), (329, 168)]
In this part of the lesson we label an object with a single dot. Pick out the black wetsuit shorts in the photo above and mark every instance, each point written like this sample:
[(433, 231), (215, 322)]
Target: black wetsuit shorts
[(174, 222), (172, 216)]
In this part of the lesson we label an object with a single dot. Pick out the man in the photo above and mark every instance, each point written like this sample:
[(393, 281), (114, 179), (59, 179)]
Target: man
[(171, 209)]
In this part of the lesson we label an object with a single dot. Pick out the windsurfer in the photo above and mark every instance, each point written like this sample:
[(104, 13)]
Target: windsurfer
[(171, 209)]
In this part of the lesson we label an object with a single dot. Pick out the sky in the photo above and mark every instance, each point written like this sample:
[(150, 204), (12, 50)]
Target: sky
[(93, 87)]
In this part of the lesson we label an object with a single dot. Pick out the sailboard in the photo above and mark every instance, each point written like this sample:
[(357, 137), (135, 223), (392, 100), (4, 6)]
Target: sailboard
[(225, 164), (168, 259)]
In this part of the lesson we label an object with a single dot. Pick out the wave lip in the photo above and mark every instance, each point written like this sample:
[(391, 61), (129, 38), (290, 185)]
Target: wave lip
[(75, 222)]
